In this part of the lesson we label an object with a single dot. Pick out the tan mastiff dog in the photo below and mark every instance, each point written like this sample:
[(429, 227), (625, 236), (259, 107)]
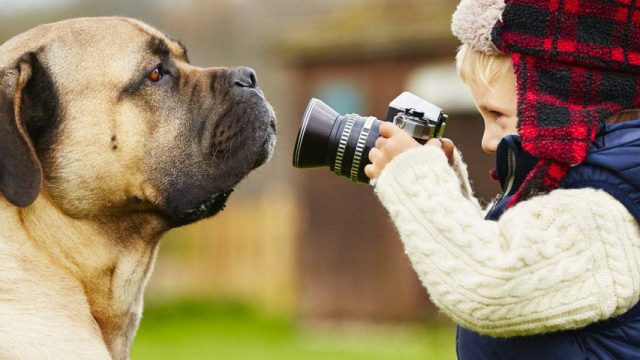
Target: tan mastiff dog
[(108, 138)]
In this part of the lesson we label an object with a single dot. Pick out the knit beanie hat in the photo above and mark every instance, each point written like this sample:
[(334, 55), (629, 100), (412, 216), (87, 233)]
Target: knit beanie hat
[(577, 62)]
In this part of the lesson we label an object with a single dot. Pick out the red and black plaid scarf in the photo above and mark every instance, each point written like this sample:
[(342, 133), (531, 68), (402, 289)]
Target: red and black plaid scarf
[(577, 62)]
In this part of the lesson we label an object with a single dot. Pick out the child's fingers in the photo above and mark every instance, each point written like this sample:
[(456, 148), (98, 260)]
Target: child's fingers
[(380, 142), (370, 171), (434, 142), (446, 145), (375, 155), (388, 129)]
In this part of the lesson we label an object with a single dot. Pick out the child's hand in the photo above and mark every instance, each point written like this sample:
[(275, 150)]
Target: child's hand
[(392, 142)]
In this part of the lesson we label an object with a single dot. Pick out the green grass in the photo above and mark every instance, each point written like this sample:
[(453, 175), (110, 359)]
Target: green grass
[(200, 330)]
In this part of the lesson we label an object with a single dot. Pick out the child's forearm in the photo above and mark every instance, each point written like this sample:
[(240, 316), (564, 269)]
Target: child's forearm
[(555, 262)]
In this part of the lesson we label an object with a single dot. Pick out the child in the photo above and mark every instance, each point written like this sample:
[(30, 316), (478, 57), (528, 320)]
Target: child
[(557, 258)]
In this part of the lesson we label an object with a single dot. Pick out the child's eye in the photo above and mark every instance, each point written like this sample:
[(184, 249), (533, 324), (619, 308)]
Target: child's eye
[(496, 114)]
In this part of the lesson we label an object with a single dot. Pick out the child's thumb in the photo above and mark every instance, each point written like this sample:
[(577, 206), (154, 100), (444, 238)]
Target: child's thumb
[(448, 147)]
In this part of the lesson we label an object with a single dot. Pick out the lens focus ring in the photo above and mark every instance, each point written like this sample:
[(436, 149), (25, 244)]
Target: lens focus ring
[(362, 140), (351, 119)]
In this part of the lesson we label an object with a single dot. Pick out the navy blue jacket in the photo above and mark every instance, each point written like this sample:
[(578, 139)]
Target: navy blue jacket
[(613, 165)]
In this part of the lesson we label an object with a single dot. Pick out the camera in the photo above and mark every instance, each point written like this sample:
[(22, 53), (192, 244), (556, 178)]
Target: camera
[(343, 142)]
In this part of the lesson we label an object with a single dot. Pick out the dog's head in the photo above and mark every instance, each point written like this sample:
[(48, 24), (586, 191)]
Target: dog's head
[(105, 117)]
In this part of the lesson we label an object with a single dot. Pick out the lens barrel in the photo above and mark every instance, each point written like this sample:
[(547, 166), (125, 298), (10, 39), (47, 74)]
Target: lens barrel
[(349, 146), (340, 142)]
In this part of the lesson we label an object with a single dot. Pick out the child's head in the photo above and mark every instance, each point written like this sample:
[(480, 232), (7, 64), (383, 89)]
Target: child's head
[(569, 80), (492, 82)]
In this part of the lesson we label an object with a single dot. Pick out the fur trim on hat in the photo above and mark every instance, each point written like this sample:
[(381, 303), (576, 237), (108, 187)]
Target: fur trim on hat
[(473, 22)]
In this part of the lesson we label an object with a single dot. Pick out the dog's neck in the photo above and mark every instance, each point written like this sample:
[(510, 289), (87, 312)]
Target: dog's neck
[(113, 265)]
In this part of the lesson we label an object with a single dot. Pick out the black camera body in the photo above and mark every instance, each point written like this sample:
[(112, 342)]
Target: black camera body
[(343, 142)]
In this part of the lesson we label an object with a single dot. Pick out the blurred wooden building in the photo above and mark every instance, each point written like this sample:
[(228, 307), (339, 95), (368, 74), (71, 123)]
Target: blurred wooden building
[(351, 263)]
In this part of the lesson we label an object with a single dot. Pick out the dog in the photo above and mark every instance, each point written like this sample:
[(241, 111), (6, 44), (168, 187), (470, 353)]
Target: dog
[(108, 138)]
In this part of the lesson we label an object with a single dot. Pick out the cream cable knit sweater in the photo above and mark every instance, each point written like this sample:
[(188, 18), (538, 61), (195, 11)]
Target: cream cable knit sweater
[(555, 262)]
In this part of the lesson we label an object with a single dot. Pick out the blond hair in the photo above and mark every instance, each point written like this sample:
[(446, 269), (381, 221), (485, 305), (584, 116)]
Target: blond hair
[(625, 115), (477, 67)]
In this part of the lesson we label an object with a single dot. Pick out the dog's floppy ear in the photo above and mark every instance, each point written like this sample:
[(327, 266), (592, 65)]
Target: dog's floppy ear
[(20, 169)]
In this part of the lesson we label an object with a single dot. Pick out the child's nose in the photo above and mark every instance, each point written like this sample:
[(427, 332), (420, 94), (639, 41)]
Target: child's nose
[(489, 143)]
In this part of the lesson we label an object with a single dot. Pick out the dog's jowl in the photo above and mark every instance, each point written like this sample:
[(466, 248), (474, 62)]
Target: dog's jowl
[(108, 138)]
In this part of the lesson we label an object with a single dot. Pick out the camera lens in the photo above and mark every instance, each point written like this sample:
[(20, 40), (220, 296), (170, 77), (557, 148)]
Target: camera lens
[(351, 140), (341, 142)]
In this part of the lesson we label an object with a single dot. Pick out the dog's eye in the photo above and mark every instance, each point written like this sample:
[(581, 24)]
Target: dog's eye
[(156, 75)]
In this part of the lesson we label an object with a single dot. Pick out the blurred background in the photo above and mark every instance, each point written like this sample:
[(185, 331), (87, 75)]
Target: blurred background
[(302, 264)]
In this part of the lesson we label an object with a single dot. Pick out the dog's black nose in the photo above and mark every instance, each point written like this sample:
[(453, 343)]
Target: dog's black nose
[(245, 77)]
